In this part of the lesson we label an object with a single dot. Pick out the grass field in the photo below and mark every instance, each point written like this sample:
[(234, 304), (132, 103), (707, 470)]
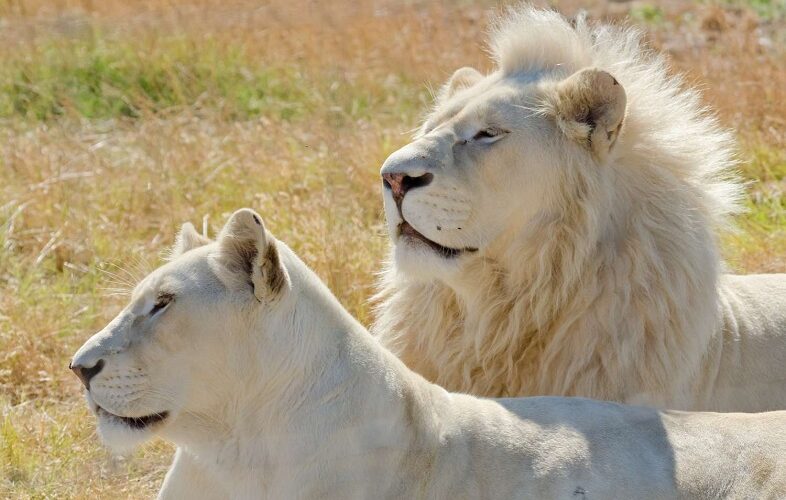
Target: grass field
[(119, 120)]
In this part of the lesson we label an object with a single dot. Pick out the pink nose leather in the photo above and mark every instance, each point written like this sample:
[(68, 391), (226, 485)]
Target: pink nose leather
[(396, 182)]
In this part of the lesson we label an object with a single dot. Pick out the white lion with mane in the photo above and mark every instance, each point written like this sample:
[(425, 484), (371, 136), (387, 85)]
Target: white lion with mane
[(555, 232), (236, 352)]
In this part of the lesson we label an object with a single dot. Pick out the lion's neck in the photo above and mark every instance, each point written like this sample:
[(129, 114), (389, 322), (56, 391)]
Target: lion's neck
[(338, 400), (581, 305)]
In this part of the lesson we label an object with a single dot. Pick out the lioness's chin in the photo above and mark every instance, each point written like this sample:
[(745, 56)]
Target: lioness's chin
[(123, 434), (119, 437)]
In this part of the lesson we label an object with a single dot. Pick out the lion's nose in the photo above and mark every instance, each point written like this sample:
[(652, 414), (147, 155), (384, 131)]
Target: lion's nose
[(399, 184), (85, 374)]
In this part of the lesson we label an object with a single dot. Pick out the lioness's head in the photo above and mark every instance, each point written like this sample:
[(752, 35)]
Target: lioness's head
[(502, 149), (167, 362)]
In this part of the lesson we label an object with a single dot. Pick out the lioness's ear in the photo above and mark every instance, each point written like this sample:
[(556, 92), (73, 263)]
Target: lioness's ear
[(187, 239), (249, 255), (463, 78), (589, 107)]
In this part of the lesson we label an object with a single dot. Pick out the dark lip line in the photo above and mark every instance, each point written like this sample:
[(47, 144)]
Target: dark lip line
[(446, 252), (136, 422)]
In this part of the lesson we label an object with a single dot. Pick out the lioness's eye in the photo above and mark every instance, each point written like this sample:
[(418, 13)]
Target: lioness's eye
[(490, 134), (162, 301)]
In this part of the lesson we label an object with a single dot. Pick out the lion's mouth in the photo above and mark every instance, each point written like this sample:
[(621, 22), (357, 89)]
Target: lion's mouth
[(406, 230), (134, 422)]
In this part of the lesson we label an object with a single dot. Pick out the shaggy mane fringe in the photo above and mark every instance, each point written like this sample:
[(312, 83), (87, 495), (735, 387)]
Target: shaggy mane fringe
[(524, 39)]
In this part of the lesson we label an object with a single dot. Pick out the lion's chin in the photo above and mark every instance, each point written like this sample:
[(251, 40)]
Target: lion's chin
[(420, 263), (408, 235)]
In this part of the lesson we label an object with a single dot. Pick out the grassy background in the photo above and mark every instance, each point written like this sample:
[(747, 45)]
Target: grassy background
[(120, 120)]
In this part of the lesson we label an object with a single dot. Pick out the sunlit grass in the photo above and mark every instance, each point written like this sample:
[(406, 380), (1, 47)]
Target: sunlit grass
[(48, 450), (111, 138), (760, 243), (99, 78)]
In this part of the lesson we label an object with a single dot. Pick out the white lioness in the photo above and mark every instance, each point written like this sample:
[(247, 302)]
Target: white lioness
[(554, 232), (236, 352)]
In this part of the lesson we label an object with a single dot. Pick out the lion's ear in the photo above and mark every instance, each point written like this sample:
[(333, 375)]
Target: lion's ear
[(250, 256), (589, 107), (463, 78), (187, 239)]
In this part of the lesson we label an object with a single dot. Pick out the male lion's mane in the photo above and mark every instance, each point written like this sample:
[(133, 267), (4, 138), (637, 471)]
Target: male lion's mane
[(612, 291)]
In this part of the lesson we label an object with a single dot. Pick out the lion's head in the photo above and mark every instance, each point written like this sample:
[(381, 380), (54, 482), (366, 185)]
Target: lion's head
[(496, 152), (553, 221), (164, 364)]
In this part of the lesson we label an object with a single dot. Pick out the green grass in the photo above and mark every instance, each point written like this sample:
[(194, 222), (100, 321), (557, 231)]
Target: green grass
[(648, 13), (768, 10), (760, 240), (102, 77)]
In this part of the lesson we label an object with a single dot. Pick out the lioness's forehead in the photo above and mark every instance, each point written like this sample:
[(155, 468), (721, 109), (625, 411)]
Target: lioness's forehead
[(189, 273)]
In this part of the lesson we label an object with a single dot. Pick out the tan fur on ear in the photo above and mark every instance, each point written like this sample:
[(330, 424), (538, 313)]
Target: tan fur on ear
[(589, 107), (462, 78), (273, 272), (187, 239), (249, 254)]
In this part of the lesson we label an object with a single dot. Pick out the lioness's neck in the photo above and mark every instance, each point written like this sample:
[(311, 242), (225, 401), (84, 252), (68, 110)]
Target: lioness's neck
[(339, 393)]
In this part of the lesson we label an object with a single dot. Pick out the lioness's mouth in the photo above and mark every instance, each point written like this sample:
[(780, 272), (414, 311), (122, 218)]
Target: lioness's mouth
[(134, 422), (406, 230)]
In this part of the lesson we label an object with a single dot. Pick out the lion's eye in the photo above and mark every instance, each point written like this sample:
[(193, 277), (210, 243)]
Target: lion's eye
[(489, 135), (162, 301)]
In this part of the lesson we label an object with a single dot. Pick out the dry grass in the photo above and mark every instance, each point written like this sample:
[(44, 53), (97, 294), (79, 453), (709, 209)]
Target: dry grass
[(123, 119)]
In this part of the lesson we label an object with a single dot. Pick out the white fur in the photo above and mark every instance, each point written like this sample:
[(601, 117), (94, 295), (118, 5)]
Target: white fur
[(289, 397), (597, 271)]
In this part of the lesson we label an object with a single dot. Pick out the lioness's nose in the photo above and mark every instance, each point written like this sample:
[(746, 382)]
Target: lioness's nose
[(85, 374), (399, 184)]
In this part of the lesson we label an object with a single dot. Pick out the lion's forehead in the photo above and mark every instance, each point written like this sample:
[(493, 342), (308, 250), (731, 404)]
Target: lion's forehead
[(500, 100)]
